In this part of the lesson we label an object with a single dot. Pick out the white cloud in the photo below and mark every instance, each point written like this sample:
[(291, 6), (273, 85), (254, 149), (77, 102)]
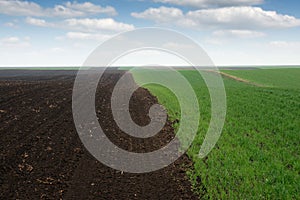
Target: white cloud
[(150, 58), (285, 44), (14, 42), (27, 38), (87, 36), (238, 33), (211, 3), (57, 49), (83, 24), (10, 24), (107, 24), (228, 18), (91, 8), (174, 46), (69, 9), (160, 15), (243, 17), (10, 40), (37, 22), (20, 8)]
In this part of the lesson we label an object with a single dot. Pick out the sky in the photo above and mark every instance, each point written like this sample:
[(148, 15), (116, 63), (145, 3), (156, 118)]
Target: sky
[(232, 32)]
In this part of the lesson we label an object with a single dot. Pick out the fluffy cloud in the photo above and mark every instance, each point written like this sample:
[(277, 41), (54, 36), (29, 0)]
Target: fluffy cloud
[(285, 44), (229, 18), (10, 40), (14, 42), (107, 24), (91, 8), (69, 9), (10, 24), (86, 36), (243, 17), (83, 24), (37, 22), (160, 15), (20, 8), (238, 33), (211, 3)]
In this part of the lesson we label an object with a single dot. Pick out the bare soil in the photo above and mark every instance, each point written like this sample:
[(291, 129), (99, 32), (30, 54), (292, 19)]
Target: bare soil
[(42, 157)]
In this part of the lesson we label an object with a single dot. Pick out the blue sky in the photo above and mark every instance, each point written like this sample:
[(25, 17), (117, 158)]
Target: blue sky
[(232, 32)]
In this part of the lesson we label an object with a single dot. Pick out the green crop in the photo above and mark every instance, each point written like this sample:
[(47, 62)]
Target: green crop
[(281, 78), (258, 154)]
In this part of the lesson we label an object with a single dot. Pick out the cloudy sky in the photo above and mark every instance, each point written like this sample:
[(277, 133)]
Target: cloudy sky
[(232, 32)]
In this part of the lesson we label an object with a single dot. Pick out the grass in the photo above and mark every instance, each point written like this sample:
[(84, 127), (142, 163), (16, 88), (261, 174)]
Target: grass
[(280, 78), (257, 156)]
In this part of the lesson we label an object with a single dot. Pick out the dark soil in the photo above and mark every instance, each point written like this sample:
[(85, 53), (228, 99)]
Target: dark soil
[(42, 157)]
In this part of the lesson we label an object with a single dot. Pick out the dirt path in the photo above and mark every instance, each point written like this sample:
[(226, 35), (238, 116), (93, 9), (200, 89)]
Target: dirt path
[(238, 79), (41, 156)]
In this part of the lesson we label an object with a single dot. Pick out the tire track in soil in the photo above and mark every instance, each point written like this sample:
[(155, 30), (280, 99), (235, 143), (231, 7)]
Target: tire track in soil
[(67, 171)]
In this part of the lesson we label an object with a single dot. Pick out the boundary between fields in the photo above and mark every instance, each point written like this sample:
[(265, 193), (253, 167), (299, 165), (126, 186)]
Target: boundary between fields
[(238, 78)]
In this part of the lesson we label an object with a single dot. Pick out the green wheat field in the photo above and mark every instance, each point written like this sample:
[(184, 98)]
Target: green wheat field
[(258, 153)]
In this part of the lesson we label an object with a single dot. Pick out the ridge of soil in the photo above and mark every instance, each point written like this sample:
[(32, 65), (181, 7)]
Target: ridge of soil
[(42, 157)]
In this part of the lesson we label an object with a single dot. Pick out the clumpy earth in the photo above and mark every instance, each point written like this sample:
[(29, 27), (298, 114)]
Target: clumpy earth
[(42, 157)]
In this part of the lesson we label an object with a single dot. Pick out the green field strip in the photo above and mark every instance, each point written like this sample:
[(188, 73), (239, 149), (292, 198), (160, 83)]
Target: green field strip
[(258, 154)]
